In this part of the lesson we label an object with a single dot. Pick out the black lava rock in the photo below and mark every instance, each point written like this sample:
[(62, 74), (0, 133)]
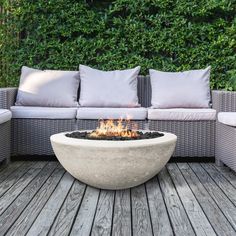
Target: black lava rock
[(85, 135)]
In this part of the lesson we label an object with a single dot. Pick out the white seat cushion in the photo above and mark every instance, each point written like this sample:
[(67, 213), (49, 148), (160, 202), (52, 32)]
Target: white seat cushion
[(181, 114), (5, 115), (227, 118), (43, 112), (111, 113)]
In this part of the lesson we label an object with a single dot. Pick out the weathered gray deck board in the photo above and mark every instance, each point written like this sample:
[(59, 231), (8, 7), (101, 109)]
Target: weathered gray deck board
[(178, 216), (19, 186), (45, 219), (216, 193), (8, 170), (64, 220), (140, 212), (229, 174), (222, 182), (217, 219), (103, 218), (14, 177), (15, 209), (184, 199), (85, 216), (122, 214), (197, 217), (26, 219), (159, 216)]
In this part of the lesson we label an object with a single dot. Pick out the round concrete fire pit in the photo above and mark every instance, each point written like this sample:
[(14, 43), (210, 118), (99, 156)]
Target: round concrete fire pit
[(113, 164)]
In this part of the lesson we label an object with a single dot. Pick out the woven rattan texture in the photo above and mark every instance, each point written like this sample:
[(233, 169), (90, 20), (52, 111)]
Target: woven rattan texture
[(195, 138), (32, 136), (224, 101), (226, 145), (144, 91), (5, 141), (7, 97)]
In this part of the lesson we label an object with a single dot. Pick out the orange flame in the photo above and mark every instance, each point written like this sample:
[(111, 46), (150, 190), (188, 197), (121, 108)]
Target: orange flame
[(111, 128)]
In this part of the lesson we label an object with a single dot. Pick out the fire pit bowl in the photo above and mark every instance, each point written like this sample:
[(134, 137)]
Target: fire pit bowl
[(113, 164)]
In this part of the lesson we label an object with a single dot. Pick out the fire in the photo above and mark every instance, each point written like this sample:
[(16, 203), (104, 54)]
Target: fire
[(110, 128)]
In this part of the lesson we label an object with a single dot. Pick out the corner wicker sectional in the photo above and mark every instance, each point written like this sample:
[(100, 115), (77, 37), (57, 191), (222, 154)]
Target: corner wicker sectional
[(195, 138)]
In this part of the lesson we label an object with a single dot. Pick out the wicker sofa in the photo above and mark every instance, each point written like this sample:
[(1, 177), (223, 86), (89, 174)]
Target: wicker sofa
[(196, 138), (5, 127), (225, 102)]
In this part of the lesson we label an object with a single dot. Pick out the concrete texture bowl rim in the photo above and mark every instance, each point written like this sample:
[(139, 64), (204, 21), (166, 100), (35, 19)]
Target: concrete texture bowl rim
[(62, 139)]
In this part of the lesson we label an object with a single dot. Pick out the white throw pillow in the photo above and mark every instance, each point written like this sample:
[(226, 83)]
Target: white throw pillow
[(188, 89), (116, 88), (49, 88)]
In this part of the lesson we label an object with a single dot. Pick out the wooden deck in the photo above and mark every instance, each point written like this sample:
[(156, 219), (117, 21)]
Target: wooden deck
[(40, 198)]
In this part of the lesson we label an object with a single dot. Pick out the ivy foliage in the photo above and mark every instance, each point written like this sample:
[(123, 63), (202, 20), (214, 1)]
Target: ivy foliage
[(160, 34)]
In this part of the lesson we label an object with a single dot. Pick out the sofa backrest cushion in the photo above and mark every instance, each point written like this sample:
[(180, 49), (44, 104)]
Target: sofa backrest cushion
[(188, 89), (49, 88), (108, 88)]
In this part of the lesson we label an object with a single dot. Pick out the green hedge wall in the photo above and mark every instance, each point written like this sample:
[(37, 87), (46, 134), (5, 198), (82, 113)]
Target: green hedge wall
[(160, 34)]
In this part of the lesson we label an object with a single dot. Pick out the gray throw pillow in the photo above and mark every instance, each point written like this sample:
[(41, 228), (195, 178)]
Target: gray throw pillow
[(188, 89), (116, 88), (49, 88)]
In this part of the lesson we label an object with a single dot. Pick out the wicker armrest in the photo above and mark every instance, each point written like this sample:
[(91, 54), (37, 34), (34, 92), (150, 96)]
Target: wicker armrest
[(7, 97), (224, 101)]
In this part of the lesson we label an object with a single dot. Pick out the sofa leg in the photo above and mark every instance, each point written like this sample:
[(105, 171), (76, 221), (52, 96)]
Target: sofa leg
[(219, 162)]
